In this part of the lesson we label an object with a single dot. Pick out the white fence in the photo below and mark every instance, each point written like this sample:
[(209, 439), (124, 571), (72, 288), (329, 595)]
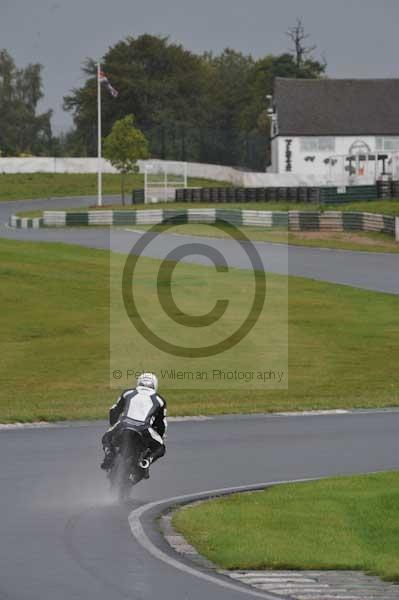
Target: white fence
[(44, 164), (194, 170)]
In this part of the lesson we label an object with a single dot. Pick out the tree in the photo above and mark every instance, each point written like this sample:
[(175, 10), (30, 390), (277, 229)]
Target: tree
[(303, 55), (228, 95), (298, 37), (22, 130), (124, 146), (159, 81)]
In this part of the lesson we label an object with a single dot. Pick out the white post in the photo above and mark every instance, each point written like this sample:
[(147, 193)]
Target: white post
[(99, 159)]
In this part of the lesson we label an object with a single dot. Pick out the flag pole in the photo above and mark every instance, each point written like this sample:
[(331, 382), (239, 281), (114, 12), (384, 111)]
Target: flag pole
[(99, 159)]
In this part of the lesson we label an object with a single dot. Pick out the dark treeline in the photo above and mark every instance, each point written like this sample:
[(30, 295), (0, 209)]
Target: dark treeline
[(205, 108)]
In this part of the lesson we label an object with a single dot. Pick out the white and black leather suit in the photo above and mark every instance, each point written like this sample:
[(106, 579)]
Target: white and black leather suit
[(141, 404)]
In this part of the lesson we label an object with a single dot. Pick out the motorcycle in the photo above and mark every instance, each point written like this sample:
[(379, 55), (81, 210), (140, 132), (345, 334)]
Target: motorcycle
[(131, 461)]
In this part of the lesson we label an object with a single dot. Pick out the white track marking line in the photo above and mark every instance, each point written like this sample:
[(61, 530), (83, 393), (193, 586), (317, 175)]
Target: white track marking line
[(68, 424), (201, 418), (311, 413), (189, 419), (142, 538), (36, 425)]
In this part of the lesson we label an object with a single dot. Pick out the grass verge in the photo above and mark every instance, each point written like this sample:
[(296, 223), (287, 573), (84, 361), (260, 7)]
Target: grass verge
[(384, 207), (361, 241), (343, 342), (27, 186), (338, 523)]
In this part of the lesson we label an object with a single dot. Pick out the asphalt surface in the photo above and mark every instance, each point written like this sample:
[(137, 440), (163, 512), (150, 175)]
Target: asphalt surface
[(372, 271), (63, 537)]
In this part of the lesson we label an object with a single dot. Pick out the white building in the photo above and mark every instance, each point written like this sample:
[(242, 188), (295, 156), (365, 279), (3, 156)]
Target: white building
[(335, 127)]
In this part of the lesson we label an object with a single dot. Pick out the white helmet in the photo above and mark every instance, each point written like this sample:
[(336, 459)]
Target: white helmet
[(148, 380)]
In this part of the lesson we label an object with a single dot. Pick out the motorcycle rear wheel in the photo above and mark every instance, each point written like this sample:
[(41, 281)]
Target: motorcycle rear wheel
[(125, 472)]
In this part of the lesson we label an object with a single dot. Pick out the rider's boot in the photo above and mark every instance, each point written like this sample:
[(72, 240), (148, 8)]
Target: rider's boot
[(145, 465)]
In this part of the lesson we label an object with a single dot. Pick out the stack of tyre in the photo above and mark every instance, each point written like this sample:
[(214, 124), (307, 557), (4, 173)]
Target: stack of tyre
[(242, 195)]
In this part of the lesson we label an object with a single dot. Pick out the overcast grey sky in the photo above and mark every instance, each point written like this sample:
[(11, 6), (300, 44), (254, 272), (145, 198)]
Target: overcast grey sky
[(358, 37)]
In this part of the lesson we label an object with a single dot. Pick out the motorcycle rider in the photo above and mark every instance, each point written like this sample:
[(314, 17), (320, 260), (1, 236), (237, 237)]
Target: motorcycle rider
[(141, 403)]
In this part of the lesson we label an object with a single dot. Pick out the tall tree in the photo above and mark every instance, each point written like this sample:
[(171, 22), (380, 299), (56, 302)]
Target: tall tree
[(160, 82), (22, 130), (229, 93)]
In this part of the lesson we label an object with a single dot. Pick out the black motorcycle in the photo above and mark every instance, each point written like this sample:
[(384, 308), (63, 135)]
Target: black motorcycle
[(131, 464)]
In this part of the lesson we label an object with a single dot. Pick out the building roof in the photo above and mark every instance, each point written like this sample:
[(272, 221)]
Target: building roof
[(337, 106)]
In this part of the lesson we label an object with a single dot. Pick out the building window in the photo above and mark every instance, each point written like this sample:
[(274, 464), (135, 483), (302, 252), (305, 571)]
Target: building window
[(389, 144), (318, 144)]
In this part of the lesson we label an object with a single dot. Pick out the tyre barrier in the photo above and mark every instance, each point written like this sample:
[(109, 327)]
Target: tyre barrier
[(138, 197), (341, 221), (25, 222), (293, 220), (384, 189), (159, 216), (319, 195)]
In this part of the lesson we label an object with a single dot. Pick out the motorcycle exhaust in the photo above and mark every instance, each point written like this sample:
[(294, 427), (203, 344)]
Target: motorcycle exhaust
[(144, 463)]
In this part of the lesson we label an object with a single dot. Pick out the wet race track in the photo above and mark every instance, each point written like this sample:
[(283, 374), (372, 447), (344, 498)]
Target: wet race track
[(63, 536)]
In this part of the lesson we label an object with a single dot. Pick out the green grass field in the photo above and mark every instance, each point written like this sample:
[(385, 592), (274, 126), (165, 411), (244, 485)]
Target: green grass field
[(343, 342), (362, 241), (26, 186), (339, 523)]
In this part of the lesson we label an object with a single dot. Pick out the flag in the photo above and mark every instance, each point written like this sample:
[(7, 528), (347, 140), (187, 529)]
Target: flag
[(104, 79)]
